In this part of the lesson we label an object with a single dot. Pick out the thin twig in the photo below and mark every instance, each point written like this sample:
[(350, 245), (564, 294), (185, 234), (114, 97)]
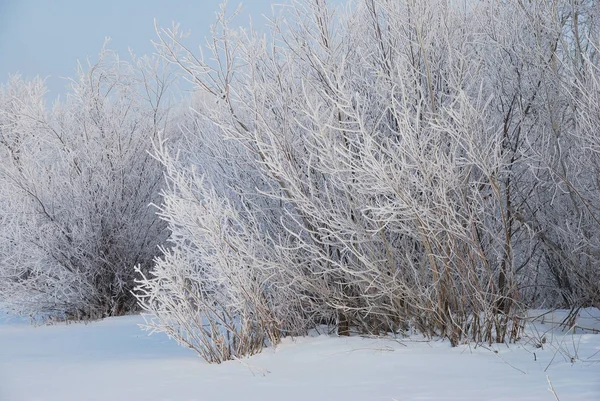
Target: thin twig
[(552, 388)]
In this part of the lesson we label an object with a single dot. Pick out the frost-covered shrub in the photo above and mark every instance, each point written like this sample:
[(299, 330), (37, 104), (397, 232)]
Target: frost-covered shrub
[(219, 287), (389, 165), (77, 180)]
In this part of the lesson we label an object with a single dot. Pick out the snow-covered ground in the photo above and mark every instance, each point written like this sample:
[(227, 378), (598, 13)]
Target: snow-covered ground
[(113, 360)]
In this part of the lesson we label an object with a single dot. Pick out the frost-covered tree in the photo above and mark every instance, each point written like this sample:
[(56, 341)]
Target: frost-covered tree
[(77, 180), (391, 164)]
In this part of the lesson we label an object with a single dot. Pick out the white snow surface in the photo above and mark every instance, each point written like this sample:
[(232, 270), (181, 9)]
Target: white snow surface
[(114, 360)]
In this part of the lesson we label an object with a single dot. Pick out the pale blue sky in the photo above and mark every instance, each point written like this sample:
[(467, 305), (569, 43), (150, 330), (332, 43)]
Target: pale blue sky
[(47, 37)]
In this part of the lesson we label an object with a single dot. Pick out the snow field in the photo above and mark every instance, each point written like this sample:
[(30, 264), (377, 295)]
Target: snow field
[(114, 360)]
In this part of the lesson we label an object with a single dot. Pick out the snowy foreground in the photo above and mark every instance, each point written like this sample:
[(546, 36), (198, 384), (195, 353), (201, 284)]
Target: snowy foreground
[(113, 360)]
